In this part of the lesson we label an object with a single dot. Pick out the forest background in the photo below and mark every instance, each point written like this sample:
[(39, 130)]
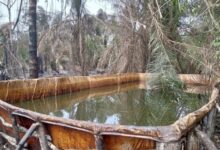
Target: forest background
[(166, 36)]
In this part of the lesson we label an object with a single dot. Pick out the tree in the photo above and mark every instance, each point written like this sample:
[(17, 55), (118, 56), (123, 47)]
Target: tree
[(8, 40), (33, 64), (10, 60), (129, 52), (78, 7)]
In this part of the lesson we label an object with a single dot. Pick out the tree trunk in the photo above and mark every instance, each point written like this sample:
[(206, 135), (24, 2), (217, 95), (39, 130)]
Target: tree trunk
[(81, 47), (33, 64), (5, 56)]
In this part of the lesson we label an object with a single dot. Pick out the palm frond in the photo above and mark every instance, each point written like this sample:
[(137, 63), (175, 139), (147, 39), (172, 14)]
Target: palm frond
[(167, 79)]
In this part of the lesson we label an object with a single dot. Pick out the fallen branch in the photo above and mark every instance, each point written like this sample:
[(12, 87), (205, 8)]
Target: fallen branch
[(218, 107), (9, 139), (27, 135), (42, 137), (205, 140), (99, 142)]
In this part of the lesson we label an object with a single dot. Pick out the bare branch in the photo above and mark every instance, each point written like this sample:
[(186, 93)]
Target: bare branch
[(212, 17), (19, 13), (3, 4), (12, 3), (158, 7)]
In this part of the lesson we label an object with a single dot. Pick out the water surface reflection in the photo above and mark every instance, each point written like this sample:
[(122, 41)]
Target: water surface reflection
[(129, 104)]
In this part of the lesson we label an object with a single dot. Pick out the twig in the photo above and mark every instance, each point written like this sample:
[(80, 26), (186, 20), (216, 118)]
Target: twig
[(158, 7)]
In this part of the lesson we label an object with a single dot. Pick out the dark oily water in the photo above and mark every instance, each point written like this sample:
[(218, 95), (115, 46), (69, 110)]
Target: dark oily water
[(128, 105)]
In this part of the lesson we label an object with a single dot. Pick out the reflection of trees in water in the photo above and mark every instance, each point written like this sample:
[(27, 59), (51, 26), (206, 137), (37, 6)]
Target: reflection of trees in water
[(136, 107), (96, 109)]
